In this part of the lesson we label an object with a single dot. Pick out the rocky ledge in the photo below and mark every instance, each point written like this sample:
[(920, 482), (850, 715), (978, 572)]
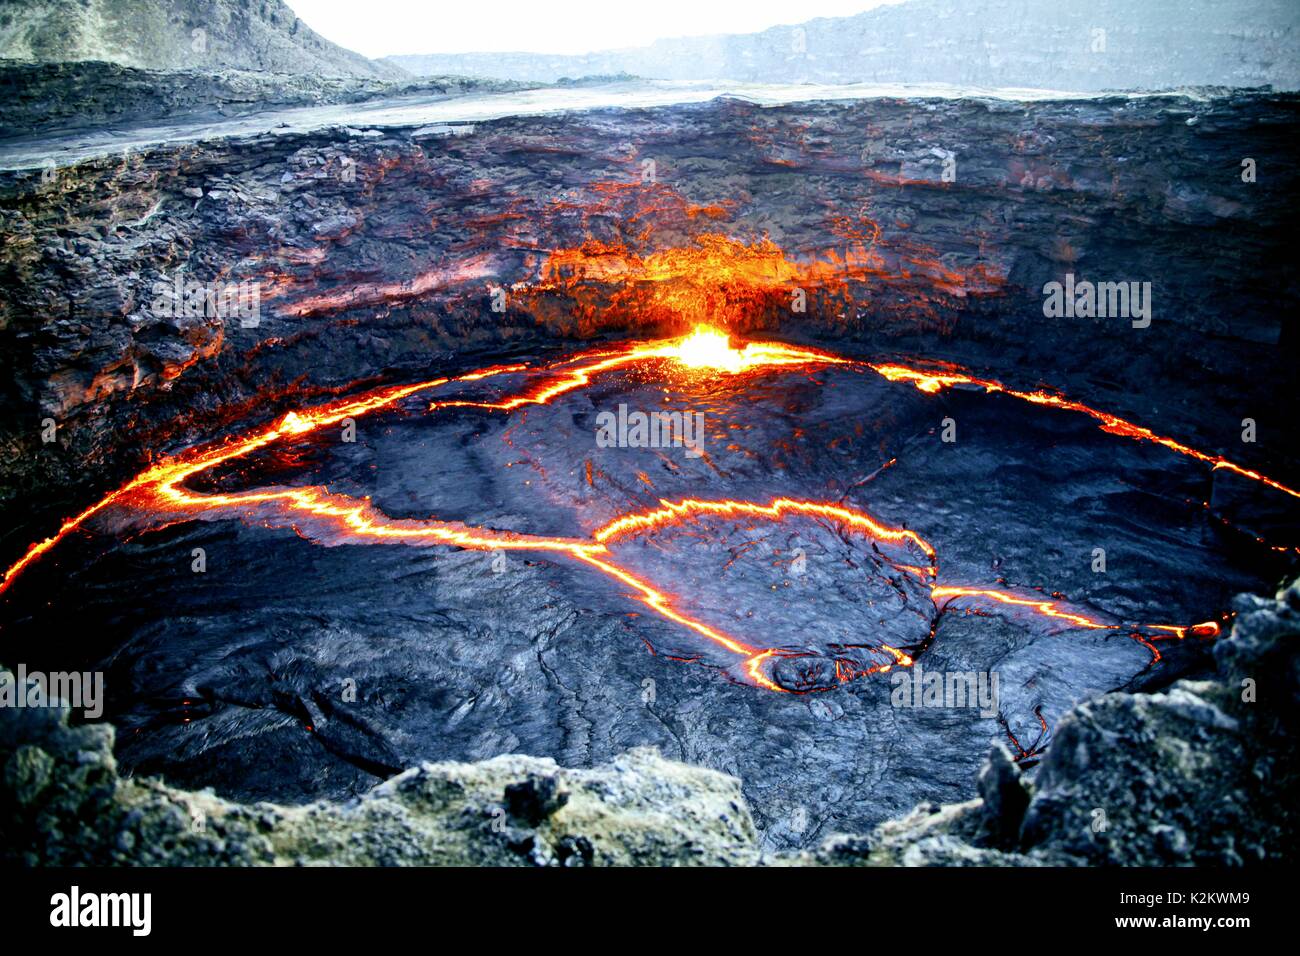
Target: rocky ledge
[(373, 249), (47, 97), (1199, 774)]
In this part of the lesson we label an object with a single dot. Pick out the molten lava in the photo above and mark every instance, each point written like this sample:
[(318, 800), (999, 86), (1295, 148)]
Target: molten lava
[(933, 382), (724, 281), (160, 494)]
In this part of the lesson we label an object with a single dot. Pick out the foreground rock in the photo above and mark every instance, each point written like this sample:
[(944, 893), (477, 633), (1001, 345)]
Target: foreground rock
[(71, 808), (1199, 774)]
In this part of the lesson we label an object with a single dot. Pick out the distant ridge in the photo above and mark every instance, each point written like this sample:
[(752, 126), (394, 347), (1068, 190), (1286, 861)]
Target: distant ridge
[(1073, 45)]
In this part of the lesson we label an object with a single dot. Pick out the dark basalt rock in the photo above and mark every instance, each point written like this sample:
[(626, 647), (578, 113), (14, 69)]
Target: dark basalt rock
[(375, 249), (535, 799), (236, 678), (1195, 774), (1198, 762), (1005, 796)]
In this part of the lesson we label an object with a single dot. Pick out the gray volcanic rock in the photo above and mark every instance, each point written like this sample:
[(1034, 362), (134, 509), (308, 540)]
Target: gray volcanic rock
[(1196, 774), (1073, 45), (67, 806), (261, 35), (42, 97), (1201, 774)]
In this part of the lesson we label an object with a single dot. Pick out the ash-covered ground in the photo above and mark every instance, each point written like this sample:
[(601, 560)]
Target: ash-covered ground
[(296, 666)]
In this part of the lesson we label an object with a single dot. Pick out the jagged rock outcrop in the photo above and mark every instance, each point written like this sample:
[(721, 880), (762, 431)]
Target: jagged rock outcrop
[(262, 35), (71, 808), (1201, 774)]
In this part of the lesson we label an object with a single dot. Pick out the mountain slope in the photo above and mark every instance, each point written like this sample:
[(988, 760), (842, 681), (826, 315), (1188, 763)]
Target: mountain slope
[(258, 35), (1052, 44)]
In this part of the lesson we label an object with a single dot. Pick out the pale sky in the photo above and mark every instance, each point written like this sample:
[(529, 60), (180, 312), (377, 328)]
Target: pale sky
[(378, 28)]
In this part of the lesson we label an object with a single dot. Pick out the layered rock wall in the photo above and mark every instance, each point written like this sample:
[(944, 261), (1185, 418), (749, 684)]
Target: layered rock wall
[(929, 226)]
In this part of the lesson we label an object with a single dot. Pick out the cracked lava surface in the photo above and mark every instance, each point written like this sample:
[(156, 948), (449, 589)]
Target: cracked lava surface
[(743, 567)]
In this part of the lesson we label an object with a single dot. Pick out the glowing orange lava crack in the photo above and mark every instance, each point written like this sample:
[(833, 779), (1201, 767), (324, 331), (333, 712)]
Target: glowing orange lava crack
[(934, 381), (775, 511), (702, 349), (161, 488)]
